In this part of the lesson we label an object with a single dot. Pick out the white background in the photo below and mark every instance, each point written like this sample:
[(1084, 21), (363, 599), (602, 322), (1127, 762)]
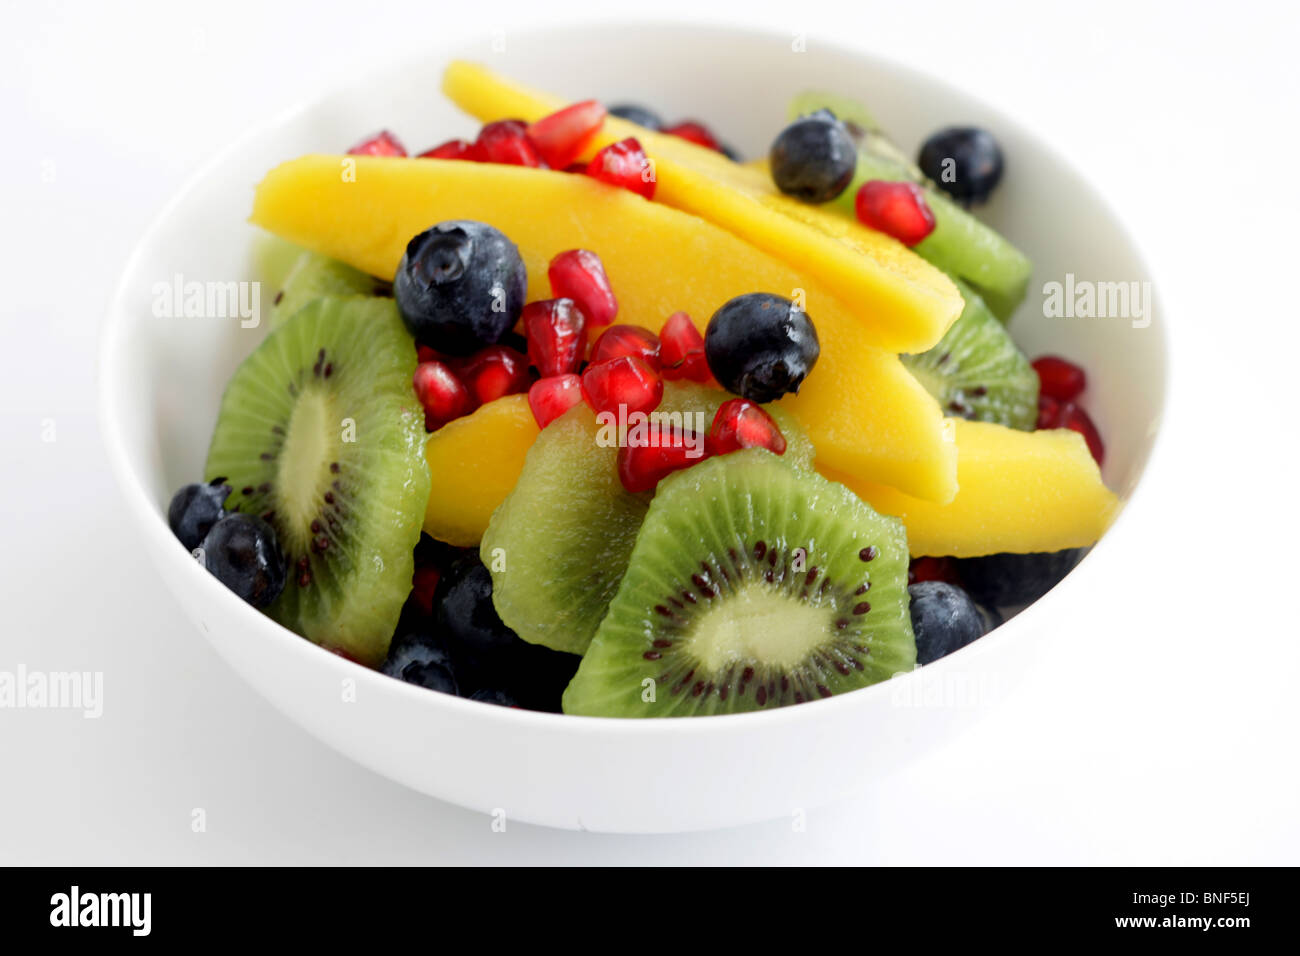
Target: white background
[(1162, 725)]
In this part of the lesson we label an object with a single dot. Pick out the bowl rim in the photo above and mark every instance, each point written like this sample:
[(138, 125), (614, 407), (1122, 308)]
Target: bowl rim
[(111, 389)]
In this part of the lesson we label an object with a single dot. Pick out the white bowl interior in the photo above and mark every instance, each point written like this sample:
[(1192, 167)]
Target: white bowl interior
[(163, 376)]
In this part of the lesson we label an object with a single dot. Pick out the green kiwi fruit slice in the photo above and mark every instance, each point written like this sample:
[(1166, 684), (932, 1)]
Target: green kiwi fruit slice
[(960, 245), (976, 371), (321, 434), (313, 276), (752, 585), (559, 543)]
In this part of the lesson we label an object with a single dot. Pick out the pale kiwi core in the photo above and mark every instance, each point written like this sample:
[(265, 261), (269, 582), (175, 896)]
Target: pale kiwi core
[(304, 463), (757, 623)]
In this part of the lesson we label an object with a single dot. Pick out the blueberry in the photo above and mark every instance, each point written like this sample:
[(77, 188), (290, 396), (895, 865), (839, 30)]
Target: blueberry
[(637, 114), (500, 698), (195, 509), (760, 346), (963, 161), (944, 619), (489, 656), (416, 658), (460, 286), (465, 610), (733, 154), (243, 553), (1006, 580), (813, 158)]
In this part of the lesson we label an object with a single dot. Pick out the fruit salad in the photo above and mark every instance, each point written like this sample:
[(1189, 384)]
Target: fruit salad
[(589, 415)]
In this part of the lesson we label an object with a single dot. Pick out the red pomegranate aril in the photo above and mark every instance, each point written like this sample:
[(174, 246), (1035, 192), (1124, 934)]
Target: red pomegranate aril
[(1048, 410), (1075, 418), (896, 209), (493, 372), (549, 398), (1059, 378), (682, 350), (624, 164), (740, 423), (507, 142), (561, 137), (556, 334), (423, 583), (454, 149), (578, 274), (382, 143), (619, 340), (932, 569), (443, 395), (667, 448), (626, 383), (694, 132)]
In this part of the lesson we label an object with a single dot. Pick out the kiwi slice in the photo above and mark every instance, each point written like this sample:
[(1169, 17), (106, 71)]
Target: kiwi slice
[(752, 585), (558, 545), (320, 434), (960, 245), (976, 371), (313, 276)]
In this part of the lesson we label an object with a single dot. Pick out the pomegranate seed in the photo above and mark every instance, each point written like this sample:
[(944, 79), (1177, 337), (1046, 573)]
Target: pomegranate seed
[(694, 132), (549, 398), (1060, 379), (896, 209), (423, 583), (619, 340), (740, 423), (682, 350), (624, 164), (578, 274), (506, 141), (555, 329), (1075, 418), (454, 149), (382, 143), (932, 569), (425, 354), (667, 448), (626, 382), (442, 394), (493, 372), (561, 137), (1048, 410)]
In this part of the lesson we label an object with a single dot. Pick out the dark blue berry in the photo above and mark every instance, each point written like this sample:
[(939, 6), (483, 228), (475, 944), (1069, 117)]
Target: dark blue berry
[(637, 114), (1008, 580), (733, 154), (465, 610), (760, 346), (195, 509), (242, 553), (500, 698), (460, 286), (416, 658), (944, 619), (813, 158), (963, 161)]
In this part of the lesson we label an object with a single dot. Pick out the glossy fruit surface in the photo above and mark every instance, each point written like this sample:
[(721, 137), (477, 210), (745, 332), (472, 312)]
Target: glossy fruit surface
[(562, 136), (578, 274), (897, 209), (382, 143), (624, 164), (242, 553), (549, 398), (623, 386), (761, 346), (194, 509), (619, 340), (460, 286), (507, 142), (963, 161), (944, 619), (555, 330), (813, 159), (740, 423)]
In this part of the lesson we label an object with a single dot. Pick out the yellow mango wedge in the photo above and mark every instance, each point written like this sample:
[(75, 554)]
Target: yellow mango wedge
[(474, 463), (1020, 492), (899, 300), (866, 415)]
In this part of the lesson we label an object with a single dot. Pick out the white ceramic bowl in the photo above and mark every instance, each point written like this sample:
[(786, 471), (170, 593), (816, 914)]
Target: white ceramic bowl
[(162, 379)]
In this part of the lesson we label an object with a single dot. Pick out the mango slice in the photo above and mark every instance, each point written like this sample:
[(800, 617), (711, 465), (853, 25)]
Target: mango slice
[(474, 463), (1020, 492), (900, 301), (866, 415)]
